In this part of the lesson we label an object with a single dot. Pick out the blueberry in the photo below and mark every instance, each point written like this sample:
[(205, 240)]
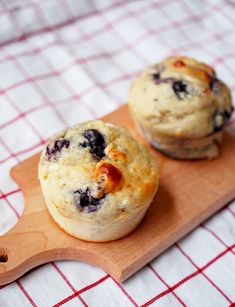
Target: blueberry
[(156, 76), (85, 202), (226, 115), (179, 87), (96, 142), (216, 126), (219, 120), (214, 84), (159, 70), (54, 149)]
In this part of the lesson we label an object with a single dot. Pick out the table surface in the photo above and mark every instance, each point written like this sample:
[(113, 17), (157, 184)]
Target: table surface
[(63, 62)]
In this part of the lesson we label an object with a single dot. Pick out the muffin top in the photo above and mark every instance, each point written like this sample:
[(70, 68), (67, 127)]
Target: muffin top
[(97, 171), (180, 97)]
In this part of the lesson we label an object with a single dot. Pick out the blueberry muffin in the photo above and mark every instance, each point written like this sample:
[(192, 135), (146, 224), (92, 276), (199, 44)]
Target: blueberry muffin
[(181, 107), (97, 180)]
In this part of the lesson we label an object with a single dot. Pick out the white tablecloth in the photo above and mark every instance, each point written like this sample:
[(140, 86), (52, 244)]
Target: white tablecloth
[(63, 62)]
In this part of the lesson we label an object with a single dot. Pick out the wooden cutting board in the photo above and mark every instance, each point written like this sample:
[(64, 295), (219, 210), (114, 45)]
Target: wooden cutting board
[(189, 193)]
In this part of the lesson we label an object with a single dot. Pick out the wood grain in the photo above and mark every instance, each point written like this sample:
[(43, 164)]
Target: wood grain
[(189, 193)]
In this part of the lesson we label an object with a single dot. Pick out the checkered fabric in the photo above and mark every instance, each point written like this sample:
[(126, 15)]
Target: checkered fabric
[(63, 62)]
